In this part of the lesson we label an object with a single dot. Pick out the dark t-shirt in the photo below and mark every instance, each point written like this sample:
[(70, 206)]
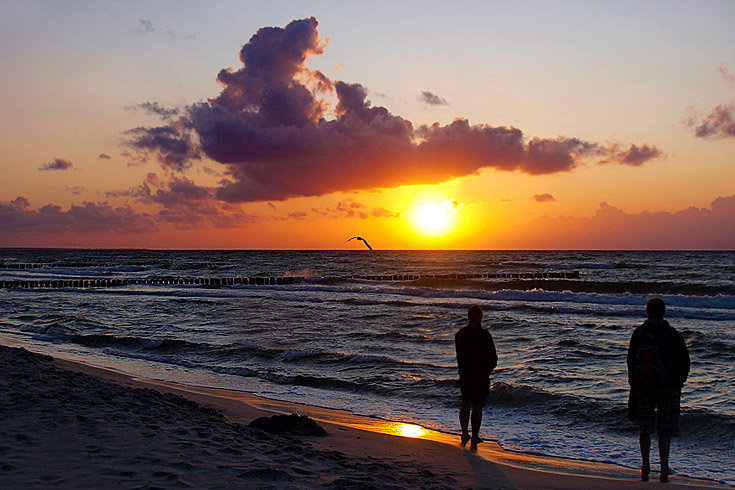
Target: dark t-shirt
[(674, 352), (476, 354)]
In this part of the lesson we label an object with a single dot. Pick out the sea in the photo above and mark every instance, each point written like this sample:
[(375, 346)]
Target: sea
[(372, 332)]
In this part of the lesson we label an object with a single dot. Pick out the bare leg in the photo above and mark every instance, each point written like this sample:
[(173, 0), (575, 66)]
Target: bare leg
[(645, 441), (664, 446), (476, 421), (464, 420)]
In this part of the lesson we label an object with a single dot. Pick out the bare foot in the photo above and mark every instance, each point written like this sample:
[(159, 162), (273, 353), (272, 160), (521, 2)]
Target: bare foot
[(473, 445)]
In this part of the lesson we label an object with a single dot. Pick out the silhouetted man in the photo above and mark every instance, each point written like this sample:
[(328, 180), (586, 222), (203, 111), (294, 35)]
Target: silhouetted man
[(658, 366), (476, 358)]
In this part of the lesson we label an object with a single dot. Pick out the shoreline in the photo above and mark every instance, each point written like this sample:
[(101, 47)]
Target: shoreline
[(359, 437)]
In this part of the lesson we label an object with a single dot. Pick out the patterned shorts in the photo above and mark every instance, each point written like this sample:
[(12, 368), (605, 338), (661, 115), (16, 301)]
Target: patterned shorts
[(658, 410)]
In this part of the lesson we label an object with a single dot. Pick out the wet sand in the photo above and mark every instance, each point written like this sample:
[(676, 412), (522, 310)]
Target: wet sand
[(64, 424)]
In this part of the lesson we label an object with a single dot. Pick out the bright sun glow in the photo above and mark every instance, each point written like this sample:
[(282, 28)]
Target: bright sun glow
[(435, 218)]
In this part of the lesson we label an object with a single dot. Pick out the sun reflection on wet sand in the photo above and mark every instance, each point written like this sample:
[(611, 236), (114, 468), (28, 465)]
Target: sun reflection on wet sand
[(410, 430)]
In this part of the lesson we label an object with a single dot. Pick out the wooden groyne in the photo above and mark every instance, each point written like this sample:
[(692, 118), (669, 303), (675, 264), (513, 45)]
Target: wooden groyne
[(263, 280)]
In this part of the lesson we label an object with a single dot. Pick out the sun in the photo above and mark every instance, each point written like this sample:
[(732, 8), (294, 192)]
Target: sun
[(435, 218)]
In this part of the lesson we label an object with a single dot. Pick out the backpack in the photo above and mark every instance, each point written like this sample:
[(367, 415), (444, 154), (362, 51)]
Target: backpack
[(650, 369)]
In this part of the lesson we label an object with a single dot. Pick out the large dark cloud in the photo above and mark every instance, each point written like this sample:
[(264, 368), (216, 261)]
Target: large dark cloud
[(720, 123), (277, 131), (56, 164)]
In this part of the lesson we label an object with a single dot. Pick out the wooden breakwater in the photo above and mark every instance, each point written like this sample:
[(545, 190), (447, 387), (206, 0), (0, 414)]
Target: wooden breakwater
[(265, 280)]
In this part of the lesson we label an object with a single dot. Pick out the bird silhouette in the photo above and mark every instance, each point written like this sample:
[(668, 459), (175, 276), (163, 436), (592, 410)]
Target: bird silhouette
[(362, 240)]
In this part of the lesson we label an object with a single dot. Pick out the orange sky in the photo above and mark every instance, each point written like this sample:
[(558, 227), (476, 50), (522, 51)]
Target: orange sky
[(416, 130)]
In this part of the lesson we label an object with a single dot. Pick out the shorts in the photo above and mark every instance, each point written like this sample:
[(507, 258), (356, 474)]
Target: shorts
[(658, 409), (475, 389)]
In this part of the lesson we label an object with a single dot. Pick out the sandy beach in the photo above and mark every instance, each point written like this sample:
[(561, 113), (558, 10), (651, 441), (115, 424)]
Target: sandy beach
[(68, 425)]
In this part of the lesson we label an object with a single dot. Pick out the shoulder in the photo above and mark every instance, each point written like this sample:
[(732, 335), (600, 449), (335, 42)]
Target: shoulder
[(639, 330), (676, 336)]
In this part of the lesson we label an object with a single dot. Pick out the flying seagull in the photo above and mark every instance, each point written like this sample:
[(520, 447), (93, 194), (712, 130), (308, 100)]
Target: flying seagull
[(362, 240)]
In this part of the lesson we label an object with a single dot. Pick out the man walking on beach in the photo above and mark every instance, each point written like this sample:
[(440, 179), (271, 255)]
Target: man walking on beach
[(658, 366), (476, 358)]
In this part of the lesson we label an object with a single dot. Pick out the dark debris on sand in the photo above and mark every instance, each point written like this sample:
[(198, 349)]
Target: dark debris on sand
[(64, 429)]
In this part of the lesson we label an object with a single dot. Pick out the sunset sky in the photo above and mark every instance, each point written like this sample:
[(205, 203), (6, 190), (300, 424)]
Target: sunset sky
[(417, 125)]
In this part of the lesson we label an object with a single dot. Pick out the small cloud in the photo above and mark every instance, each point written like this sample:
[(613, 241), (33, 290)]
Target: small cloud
[(505, 199), (339, 66), (155, 109), (104, 156), (349, 208), (544, 198), (297, 215), (720, 123), (211, 171), (429, 98), (56, 164), (385, 213), (76, 190), (272, 206), (144, 26), (726, 75), (638, 155), (633, 155)]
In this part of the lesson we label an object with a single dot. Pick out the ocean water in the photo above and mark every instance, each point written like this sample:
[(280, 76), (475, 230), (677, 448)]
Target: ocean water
[(385, 348)]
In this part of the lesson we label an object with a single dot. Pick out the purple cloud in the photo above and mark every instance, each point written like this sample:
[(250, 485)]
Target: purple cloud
[(56, 164), (172, 145), (429, 98), (17, 217), (185, 204), (720, 123), (272, 128), (154, 108), (104, 156), (611, 228)]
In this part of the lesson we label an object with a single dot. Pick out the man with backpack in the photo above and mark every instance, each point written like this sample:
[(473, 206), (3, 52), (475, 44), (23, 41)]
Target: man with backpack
[(658, 366)]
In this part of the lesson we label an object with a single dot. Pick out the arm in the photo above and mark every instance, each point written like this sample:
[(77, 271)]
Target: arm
[(682, 359), (632, 351), (492, 354)]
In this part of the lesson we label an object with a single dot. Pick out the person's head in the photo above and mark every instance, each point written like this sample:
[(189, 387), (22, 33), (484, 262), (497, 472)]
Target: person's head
[(474, 314), (655, 308)]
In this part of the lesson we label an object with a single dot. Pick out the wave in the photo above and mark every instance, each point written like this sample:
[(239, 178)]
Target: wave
[(696, 423), (166, 349), (582, 286)]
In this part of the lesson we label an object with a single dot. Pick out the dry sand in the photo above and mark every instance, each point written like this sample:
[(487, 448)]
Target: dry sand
[(68, 425)]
